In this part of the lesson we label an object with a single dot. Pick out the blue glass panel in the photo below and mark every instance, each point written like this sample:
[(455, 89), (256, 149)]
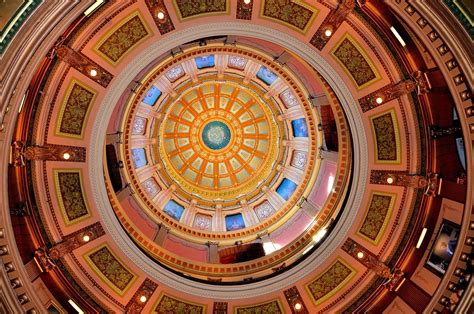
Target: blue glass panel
[(204, 62), (234, 222), (151, 96), (286, 189), (300, 129), (139, 157), (174, 209), (266, 75)]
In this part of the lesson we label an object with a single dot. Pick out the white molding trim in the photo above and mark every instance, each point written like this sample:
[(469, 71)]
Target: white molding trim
[(151, 268)]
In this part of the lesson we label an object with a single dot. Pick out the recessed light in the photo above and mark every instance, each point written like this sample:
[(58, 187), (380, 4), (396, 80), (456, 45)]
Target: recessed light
[(247, 1), (389, 180), (66, 156), (379, 100), (93, 72), (328, 32), (143, 299), (160, 15), (298, 306), (86, 238), (360, 255)]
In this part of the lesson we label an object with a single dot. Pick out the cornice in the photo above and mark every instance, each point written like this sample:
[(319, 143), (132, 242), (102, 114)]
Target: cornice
[(17, 67), (111, 223)]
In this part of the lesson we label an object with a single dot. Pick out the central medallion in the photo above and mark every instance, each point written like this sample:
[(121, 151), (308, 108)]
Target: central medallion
[(216, 135)]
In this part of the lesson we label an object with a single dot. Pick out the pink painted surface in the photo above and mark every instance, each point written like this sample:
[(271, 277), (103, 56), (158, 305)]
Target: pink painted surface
[(146, 226), (320, 191), (291, 230), (187, 251)]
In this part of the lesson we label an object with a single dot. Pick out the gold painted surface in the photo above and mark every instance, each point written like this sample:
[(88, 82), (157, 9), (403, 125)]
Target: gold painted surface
[(7, 11), (330, 281), (110, 269), (386, 135), (170, 304), (75, 110), (377, 216), (355, 62), (297, 15), (123, 38), (68, 185), (233, 170), (273, 307), (188, 9)]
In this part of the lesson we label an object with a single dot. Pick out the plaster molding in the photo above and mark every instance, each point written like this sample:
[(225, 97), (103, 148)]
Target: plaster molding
[(151, 268), (17, 67)]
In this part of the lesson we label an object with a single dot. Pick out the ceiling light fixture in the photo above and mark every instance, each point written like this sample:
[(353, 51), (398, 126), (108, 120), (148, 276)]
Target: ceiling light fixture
[(75, 306), (360, 255), (389, 180), (422, 237), (86, 238), (397, 35), (328, 32), (379, 100), (160, 15), (143, 299), (93, 72), (298, 306), (66, 156), (247, 1)]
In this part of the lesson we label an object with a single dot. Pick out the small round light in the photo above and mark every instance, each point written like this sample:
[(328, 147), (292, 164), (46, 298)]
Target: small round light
[(66, 156), (379, 100), (328, 32), (247, 1), (360, 255), (298, 306), (389, 180), (160, 15), (93, 72), (143, 299), (86, 238)]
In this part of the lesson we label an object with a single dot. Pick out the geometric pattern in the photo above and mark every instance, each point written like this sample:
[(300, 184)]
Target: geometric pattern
[(355, 62), (295, 15), (110, 269), (74, 110), (169, 304), (377, 216), (273, 307), (190, 8), (330, 281), (125, 36), (68, 185), (387, 139)]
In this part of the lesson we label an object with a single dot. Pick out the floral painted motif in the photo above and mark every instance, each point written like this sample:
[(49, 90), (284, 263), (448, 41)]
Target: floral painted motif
[(75, 110), (386, 137), (273, 307), (264, 210), (151, 187), (237, 62), (299, 159), (350, 56), (289, 12), (202, 222), (288, 98), (167, 304), (71, 195), (123, 39), (175, 73), (188, 8), (329, 281), (112, 269), (377, 214), (139, 125)]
